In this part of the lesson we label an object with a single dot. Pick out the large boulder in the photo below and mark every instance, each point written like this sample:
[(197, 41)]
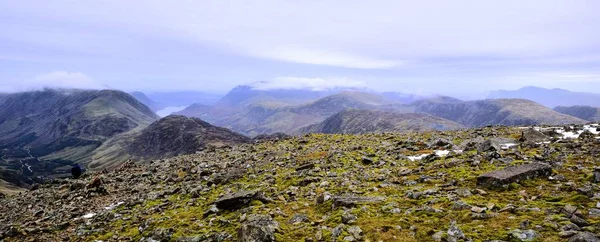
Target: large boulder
[(584, 237), (532, 135), (239, 199), (258, 228), (512, 174)]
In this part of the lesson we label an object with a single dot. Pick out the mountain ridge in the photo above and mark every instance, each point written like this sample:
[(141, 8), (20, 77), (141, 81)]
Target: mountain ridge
[(354, 121)]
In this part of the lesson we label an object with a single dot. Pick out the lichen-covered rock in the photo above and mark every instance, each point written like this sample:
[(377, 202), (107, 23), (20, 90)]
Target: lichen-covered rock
[(523, 235), (584, 237), (512, 174), (532, 135), (351, 201), (258, 228)]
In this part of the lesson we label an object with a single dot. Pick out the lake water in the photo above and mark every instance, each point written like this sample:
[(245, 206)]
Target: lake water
[(169, 110)]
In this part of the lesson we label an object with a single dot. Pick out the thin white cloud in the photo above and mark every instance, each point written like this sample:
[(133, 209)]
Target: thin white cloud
[(315, 84), (379, 34), (317, 57), (55, 79)]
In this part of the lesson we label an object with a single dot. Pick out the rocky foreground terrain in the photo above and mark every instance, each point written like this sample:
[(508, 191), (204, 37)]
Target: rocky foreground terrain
[(484, 184)]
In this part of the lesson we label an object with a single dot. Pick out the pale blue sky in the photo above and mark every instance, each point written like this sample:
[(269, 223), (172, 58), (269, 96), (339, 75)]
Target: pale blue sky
[(409, 46)]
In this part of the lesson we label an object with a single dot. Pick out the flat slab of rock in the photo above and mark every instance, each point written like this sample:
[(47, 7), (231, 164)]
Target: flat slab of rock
[(512, 174), (239, 199), (351, 201)]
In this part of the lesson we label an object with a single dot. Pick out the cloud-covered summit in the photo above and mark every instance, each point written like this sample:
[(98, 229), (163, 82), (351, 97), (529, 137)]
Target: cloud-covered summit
[(314, 84)]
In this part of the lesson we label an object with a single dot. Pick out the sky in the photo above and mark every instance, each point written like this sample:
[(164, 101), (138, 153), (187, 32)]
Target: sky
[(422, 47)]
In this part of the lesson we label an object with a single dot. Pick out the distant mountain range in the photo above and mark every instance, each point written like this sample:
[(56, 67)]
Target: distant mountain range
[(160, 100), (43, 132), (140, 96), (372, 121), (587, 113), (264, 117), (251, 115), (489, 112), (550, 97)]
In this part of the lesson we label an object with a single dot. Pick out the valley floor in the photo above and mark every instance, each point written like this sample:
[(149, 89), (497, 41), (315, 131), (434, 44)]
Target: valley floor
[(372, 187)]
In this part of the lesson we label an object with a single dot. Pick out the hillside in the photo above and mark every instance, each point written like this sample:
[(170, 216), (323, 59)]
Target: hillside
[(176, 135), (481, 184), (491, 112), (370, 121), (140, 96), (587, 113), (43, 132), (550, 97)]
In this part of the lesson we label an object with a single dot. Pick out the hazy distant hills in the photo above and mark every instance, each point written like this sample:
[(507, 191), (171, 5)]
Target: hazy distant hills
[(489, 112), (550, 97), (264, 117), (246, 95), (183, 98), (371, 121), (587, 113), (140, 96)]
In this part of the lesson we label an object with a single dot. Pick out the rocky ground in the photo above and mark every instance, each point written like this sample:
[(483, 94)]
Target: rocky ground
[(496, 183)]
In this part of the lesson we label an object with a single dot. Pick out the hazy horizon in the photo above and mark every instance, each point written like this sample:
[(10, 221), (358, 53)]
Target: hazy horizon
[(459, 48)]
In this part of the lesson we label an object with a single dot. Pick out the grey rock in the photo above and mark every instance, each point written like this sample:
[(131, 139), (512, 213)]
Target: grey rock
[(258, 228), (437, 237), (239, 199), (570, 227), (596, 175), (351, 201), (298, 218), (584, 237), (337, 231), (454, 232), (355, 231), (594, 213), (579, 221), (348, 218), (463, 192), (587, 191), (461, 205), (532, 135), (523, 235), (512, 174)]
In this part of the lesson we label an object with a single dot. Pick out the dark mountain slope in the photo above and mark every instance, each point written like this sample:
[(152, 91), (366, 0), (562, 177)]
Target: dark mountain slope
[(43, 131), (588, 113), (176, 135), (370, 121)]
